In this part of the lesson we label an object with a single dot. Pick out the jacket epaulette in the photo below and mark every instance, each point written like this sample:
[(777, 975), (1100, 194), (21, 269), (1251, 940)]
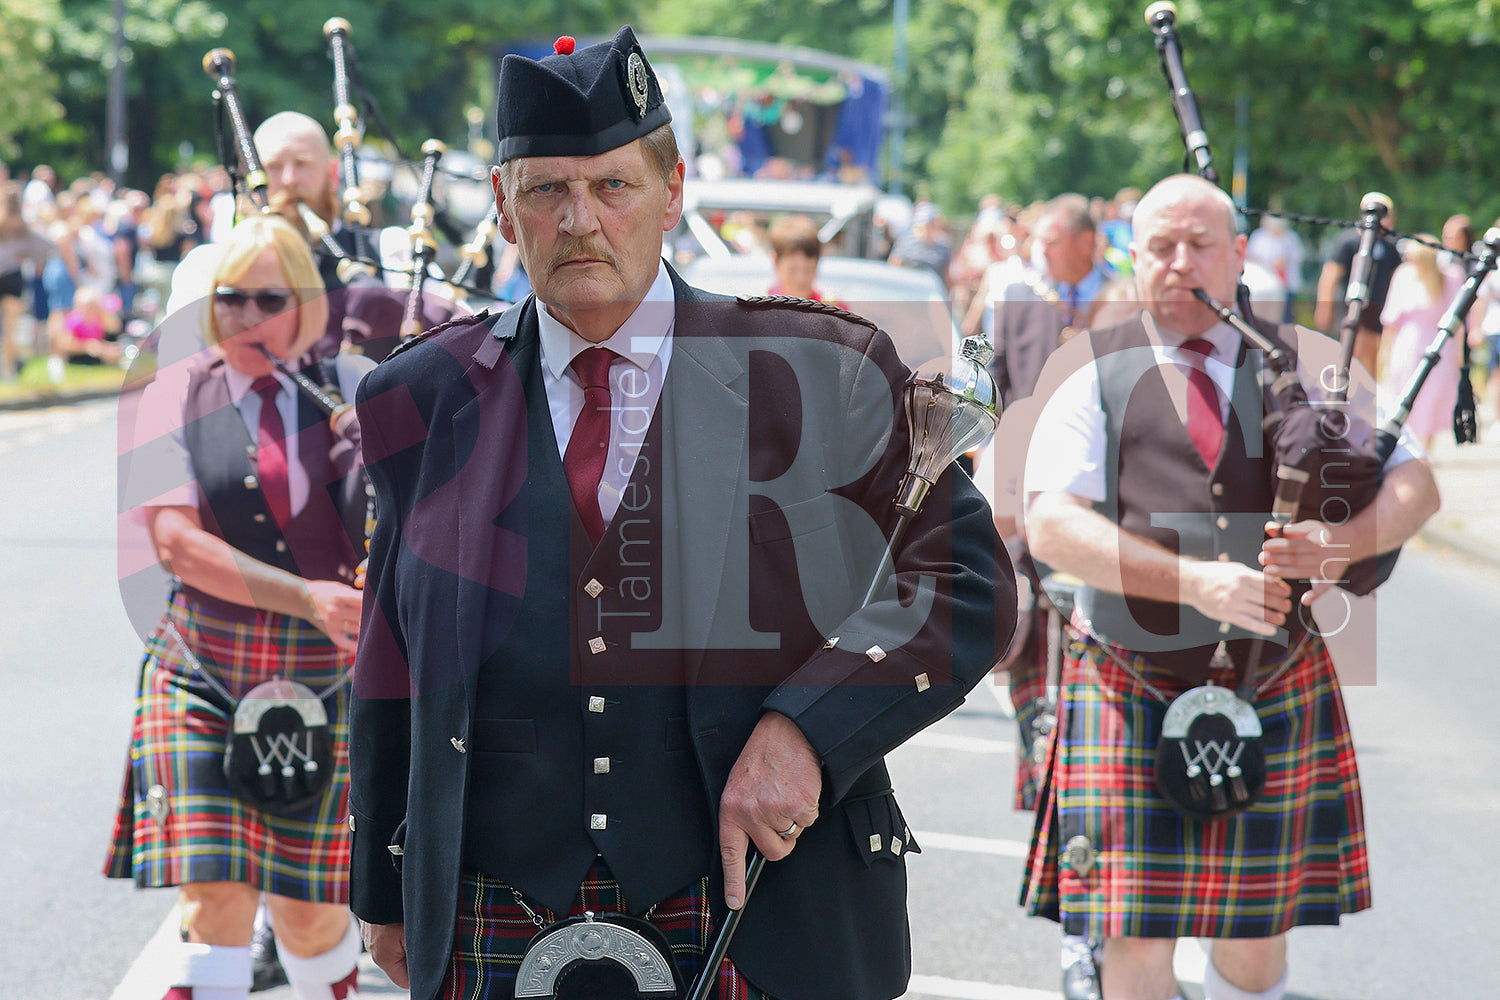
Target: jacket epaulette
[(803, 305), (482, 316)]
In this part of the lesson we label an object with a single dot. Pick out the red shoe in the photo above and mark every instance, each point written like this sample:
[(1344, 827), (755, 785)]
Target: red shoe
[(346, 987), (179, 993)]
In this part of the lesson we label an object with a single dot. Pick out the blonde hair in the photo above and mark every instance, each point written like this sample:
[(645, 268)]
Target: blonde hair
[(12, 225), (1424, 264), (246, 242)]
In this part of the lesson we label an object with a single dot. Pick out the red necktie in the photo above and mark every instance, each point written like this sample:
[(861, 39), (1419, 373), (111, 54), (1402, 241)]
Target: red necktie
[(1205, 421), (270, 452), (583, 462)]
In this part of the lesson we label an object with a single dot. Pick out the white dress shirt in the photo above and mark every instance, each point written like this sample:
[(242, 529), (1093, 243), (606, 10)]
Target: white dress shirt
[(1067, 448), (644, 345)]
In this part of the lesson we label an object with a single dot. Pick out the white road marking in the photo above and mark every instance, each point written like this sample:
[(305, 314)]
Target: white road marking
[(972, 845), (143, 981), (1001, 694), (940, 988), (968, 744)]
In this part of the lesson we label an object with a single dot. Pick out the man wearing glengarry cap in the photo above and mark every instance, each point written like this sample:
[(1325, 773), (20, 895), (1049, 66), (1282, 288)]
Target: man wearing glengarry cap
[(616, 635)]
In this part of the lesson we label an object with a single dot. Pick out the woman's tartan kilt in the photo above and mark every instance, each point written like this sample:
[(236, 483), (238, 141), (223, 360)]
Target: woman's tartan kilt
[(493, 931), (1296, 857), (178, 736)]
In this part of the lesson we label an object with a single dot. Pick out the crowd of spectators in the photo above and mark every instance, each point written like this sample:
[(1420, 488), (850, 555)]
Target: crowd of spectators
[(999, 245), (85, 265)]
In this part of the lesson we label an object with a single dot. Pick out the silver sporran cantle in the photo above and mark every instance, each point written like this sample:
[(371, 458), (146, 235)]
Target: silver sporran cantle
[(280, 755), (1209, 761), (609, 956)]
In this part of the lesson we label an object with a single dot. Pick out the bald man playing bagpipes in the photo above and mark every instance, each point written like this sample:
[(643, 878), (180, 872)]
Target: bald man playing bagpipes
[(366, 287), (1203, 781)]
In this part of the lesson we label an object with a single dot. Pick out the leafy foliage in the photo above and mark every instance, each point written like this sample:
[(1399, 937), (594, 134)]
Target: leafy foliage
[(1026, 98), (27, 101)]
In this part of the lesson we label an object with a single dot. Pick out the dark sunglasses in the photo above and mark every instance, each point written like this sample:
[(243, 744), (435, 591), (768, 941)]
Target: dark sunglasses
[(267, 302)]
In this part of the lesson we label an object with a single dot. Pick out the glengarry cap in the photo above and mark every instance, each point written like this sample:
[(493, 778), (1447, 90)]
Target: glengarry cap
[(578, 102)]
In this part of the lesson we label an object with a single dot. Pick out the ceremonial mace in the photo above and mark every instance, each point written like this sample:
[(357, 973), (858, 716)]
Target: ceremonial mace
[(950, 410)]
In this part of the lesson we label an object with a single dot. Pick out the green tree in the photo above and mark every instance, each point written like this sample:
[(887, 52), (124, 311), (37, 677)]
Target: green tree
[(81, 55), (1352, 95), (26, 102), (1026, 98), (1342, 96), (1063, 98), (1029, 98), (420, 66)]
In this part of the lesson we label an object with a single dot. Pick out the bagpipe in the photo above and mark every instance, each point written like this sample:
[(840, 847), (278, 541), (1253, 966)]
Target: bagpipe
[(358, 499), (429, 218), (219, 65), (1324, 471), (1298, 430)]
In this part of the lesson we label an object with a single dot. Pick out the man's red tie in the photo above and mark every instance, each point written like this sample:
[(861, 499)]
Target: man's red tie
[(270, 452), (1205, 420), (583, 462)]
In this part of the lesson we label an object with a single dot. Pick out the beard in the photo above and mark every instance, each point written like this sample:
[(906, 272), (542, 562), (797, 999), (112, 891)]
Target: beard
[(324, 205)]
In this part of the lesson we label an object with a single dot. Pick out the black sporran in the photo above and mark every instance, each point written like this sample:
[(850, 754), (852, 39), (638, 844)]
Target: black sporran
[(280, 755), (599, 956), (1209, 761)]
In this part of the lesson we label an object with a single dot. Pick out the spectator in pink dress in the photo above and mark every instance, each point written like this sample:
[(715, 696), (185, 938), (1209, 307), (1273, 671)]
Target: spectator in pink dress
[(1421, 289)]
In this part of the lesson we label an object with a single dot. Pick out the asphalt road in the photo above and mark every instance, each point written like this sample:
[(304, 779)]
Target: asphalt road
[(1426, 731)]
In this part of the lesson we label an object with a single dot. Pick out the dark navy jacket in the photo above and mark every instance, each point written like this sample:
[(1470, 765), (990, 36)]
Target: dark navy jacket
[(779, 446)]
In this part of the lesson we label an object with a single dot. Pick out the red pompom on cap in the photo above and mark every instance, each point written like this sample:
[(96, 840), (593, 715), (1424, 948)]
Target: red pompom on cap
[(564, 45)]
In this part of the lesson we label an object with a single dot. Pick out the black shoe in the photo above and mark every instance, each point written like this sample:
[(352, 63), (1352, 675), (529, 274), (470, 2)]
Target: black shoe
[(265, 968), (1080, 979)]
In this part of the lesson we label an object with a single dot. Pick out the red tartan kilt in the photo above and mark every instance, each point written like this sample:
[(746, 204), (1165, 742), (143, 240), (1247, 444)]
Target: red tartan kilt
[(178, 736), (1296, 857), (493, 930)]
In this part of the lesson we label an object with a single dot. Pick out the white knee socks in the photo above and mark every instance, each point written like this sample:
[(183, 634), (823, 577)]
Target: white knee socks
[(1216, 987), (215, 972), (328, 976)]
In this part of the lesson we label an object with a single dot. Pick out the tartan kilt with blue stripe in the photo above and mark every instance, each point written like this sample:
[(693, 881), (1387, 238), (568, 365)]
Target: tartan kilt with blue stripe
[(178, 735), (493, 931), (1296, 857)]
